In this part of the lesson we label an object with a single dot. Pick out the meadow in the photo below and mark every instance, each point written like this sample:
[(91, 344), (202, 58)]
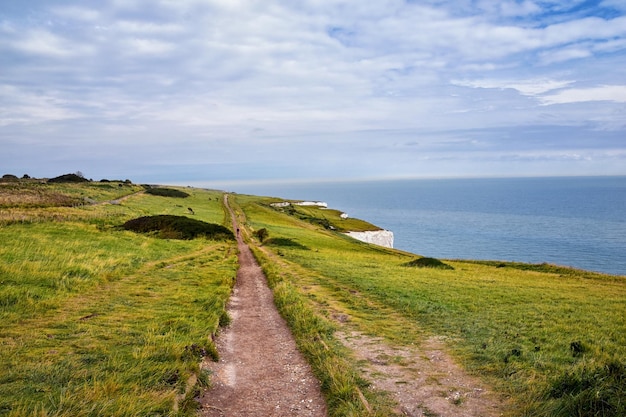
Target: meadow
[(102, 321), (552, 341), (97, 320)]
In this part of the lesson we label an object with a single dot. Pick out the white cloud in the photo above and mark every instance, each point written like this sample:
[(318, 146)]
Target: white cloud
[(148, 46), (614, 93), (20, 106), (564, 54), (45, 43), (129, 26), (531, 87)]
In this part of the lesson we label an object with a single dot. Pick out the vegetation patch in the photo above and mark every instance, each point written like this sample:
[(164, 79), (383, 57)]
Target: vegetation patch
[(167, 192), (542, 267), (326, 218), (428, 263), (284, 242), (178, 227), (590, 391), (68, 178), (261, 234), (33, 196)]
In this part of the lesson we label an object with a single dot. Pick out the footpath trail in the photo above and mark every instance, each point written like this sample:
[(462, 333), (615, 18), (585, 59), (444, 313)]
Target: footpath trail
[(260, 371)]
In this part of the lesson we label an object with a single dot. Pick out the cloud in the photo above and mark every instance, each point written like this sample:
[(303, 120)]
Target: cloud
[(565, 54), (148, 47), (530, 87), (614, 93), (311, 81), (42, 42)]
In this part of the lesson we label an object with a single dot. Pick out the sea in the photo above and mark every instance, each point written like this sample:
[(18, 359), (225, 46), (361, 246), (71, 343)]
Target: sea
[(570, 221)]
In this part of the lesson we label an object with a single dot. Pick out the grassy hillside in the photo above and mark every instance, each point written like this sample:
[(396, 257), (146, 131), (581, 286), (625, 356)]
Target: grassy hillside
[(97, 320), (551, 340)]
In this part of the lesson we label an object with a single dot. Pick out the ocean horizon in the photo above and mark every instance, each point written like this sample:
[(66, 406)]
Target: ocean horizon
[(578, 222)]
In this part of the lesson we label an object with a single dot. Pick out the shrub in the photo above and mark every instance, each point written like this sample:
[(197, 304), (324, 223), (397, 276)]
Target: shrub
[(428, 263), (68, 178), (167, 192), (281, 241), (9, 178), (261, 234), (178, 227)]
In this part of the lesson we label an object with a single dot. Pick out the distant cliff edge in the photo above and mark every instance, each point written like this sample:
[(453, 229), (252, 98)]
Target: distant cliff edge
[(376, 237), (336, 220)]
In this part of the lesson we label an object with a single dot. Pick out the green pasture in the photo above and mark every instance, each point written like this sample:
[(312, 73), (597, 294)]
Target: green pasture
[(552, 341), (101, 321)]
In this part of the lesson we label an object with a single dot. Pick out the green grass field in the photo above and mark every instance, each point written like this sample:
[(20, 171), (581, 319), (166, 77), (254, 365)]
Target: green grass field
[(552, 340), (101, 321)]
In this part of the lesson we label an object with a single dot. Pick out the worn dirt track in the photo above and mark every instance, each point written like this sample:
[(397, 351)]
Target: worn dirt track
[(260, 371)]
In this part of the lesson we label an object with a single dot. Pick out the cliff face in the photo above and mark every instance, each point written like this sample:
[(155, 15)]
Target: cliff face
[(378, 237)]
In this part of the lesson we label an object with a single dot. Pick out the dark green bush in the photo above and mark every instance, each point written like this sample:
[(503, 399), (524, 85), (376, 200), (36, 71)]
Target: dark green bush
[(178, 227), (68, 178), (261, 234), (428, 263), (167, 192), (9, 178), (285, 242)]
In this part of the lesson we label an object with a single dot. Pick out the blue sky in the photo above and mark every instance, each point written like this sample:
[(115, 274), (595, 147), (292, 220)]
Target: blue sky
[(196, 91)]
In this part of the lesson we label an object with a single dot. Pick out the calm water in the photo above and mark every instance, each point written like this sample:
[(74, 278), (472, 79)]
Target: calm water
[(579, 222)]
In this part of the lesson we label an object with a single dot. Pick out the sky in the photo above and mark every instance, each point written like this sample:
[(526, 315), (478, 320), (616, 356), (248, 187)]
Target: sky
[(227, 91)]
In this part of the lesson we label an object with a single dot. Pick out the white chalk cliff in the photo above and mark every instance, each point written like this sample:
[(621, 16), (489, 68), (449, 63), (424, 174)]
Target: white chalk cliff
[(377, 237)]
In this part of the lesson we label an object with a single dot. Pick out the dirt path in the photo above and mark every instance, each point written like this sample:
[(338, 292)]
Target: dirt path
[(424, 381), (260, 372)]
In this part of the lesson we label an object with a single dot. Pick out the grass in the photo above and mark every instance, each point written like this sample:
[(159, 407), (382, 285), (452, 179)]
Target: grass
[(327, 218), (101, 321), (514, 326)]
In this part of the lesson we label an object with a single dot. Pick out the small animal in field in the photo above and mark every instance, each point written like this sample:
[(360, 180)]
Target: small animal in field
[(190, 210)]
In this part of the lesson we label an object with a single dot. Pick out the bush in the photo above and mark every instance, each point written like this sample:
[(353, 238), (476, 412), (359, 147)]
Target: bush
[(285, 242), (261, 234), (428, 263), (167, 192), (68, 178), (9, 178), (178, 227)]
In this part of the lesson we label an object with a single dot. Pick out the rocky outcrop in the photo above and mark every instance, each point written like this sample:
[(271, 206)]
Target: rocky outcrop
[(376, 237)]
